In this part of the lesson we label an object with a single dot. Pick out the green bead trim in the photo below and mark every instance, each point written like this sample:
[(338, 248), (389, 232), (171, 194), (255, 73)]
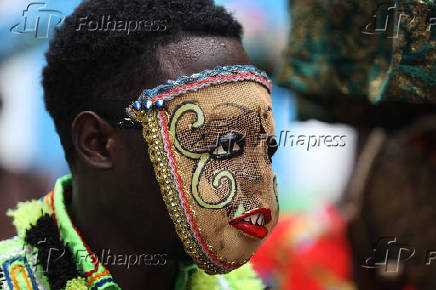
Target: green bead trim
[(68, 233)]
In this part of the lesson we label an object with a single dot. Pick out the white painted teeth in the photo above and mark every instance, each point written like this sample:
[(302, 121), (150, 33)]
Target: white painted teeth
[(261, 220), (256, 219)]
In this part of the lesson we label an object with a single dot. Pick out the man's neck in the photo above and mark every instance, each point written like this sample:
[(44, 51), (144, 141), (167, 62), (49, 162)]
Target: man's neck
[(113, 241)]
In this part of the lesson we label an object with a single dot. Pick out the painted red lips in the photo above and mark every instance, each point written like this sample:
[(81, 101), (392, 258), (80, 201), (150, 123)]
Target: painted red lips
[(253, 222)]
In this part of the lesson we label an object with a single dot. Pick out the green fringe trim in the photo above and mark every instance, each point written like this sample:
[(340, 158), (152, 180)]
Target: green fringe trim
[(192, 277), (27, 214), (77, 283), (244, 278)]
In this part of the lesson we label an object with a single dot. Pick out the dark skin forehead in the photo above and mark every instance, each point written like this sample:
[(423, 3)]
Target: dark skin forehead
[(185, 56), (197, 53)]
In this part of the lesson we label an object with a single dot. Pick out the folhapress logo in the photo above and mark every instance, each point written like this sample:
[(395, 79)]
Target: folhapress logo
[(389, 256), (39, 20), (388, 18)]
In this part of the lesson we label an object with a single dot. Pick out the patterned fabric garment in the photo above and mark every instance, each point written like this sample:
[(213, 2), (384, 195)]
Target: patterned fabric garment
[(327, 51), (49, 253), (359, 52), (412, 74)]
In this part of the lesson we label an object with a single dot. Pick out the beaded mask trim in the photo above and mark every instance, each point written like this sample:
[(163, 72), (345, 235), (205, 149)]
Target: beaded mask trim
[(149, 110), (220, 74)]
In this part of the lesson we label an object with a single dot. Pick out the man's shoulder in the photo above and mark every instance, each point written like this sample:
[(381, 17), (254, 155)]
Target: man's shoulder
[(18, 265)]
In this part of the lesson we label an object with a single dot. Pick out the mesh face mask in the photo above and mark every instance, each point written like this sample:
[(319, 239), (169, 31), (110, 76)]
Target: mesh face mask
[(209, 139)]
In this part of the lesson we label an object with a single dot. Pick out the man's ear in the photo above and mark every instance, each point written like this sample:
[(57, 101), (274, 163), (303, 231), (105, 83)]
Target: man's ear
[(92, 139)]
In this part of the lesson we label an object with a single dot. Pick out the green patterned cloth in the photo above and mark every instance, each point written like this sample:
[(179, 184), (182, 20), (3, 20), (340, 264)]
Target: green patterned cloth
[(345, 54), (412, 74)]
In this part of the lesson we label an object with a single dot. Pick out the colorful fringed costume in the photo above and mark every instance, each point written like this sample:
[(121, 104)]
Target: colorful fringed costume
[(49, 253)]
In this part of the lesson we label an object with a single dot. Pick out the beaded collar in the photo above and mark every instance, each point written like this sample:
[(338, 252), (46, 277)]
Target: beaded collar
[(95, 273)]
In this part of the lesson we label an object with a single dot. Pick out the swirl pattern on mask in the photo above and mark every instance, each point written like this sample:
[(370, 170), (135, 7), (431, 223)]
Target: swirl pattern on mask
[(203, 160)]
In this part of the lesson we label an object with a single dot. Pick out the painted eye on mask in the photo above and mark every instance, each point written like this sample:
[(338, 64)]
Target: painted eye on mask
[(228, 145), (272, 146)]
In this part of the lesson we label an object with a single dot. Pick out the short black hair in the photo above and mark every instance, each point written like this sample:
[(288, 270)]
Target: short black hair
[(94, 54)]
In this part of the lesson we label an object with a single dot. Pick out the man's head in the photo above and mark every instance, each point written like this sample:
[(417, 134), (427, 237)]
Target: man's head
[(87, 66), (172, 37)]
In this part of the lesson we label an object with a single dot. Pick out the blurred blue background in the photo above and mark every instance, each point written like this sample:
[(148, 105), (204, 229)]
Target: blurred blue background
[(28, 141)]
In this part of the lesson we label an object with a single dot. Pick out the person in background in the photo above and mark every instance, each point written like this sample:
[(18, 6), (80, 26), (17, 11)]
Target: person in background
[(371, 65), (392, 207)]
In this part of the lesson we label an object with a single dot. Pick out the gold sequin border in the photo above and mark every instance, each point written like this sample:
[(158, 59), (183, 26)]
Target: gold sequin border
[(164, 176)]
